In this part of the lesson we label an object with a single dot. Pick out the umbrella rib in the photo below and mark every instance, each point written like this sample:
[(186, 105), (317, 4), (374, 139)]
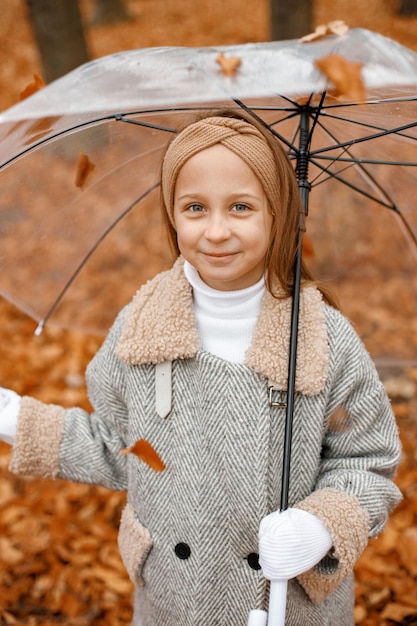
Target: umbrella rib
[(360, 161), (337, 176), (389, 204), (54, 136), (265, 124), (293, 151), (112, 116), (74, 275), (319, 180), (120, 118), (360, 166), (340, 105), (364, 124), (353, 142), (292, 113)]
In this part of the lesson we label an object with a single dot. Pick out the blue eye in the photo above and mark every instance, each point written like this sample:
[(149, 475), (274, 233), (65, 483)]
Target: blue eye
[(240, 207), (195, 208)]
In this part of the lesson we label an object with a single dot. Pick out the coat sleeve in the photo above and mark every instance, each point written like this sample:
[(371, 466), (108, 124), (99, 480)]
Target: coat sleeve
[(361, 451), (71, 443)]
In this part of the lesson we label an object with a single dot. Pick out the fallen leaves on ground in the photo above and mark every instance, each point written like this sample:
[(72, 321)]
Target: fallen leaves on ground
[(386, 574), (59, 558)]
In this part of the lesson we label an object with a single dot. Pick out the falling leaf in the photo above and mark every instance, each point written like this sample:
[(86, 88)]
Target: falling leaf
[(228, 65), (339, 420), (84, 169), (308, 248), (40, 129), (144, 451), (37, 84), (336, 27), (345, 76), (321, 31)]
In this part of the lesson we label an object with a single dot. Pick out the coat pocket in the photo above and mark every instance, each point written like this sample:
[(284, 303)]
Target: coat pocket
[(135, 543)]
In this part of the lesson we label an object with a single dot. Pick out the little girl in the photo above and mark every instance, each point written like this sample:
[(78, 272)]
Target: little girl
[(196, 365)]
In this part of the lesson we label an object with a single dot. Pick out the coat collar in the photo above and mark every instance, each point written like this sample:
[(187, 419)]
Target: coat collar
[(160, 326)]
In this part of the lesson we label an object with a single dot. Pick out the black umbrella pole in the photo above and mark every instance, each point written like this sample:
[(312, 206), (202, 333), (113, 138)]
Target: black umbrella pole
[(304, 186), (285, 479)]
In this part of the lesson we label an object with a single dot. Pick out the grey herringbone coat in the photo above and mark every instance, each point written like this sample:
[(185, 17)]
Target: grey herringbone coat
[(188, 535)]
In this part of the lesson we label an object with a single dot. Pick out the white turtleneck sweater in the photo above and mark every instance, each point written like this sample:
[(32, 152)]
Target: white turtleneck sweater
[(225, 319)]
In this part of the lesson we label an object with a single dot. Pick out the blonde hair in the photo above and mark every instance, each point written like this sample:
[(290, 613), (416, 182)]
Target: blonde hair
[(269, 161)]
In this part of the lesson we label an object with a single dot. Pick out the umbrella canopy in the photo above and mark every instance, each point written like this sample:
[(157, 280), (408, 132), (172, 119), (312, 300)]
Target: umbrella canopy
[(80, 161)]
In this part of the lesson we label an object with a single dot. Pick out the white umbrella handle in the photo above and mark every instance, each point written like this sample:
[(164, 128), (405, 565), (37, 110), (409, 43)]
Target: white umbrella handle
[(277, 606), (257, 618), (277, 602)]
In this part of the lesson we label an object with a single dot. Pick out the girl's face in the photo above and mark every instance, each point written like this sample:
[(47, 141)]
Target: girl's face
[(222, 218)]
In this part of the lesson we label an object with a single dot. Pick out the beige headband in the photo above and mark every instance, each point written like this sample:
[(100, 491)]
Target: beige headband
[(239, 136)]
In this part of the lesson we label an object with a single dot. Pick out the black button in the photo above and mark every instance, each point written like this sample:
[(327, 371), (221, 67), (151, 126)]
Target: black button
[(182, 550), (253, 560)]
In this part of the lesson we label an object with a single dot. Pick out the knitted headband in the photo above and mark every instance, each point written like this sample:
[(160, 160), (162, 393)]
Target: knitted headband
[(239, 136)]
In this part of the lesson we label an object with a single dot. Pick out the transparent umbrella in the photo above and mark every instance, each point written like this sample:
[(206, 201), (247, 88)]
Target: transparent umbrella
[(74, 251)]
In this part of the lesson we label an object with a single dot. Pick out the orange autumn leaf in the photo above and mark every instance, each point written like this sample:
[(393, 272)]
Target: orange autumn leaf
[(336, 27), (37, 84), (344, 75), (316, 99), (407, 550), (84, 169), (308, 248), (228, 65), (40, 129), (398, 612), (146, 453)]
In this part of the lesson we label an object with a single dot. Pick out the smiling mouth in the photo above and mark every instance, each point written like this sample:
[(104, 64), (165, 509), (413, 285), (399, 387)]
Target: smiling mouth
[(219, 255)]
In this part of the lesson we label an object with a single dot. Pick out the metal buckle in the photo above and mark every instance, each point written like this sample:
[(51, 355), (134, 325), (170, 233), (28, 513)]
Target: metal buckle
[(281, 404)]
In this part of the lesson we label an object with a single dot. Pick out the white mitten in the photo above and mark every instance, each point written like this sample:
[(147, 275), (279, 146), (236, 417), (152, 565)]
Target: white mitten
[(9, 409), (291, 543)]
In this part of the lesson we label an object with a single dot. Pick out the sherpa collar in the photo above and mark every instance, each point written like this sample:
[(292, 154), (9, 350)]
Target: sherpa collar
[(160, 326)]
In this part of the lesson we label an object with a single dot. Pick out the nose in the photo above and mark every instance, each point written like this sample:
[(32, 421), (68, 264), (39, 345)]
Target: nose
[(217, 228)]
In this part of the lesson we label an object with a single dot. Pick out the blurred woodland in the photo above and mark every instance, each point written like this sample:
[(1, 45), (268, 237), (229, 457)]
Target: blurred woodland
[(59, 561)]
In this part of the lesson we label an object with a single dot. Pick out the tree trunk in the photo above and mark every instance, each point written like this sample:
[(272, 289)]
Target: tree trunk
[(407, 7), (290, 19), (107, 11), (59, 34)]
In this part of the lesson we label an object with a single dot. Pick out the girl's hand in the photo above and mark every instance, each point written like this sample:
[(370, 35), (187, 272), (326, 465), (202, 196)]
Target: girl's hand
[(9, 409), (291, 542)]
